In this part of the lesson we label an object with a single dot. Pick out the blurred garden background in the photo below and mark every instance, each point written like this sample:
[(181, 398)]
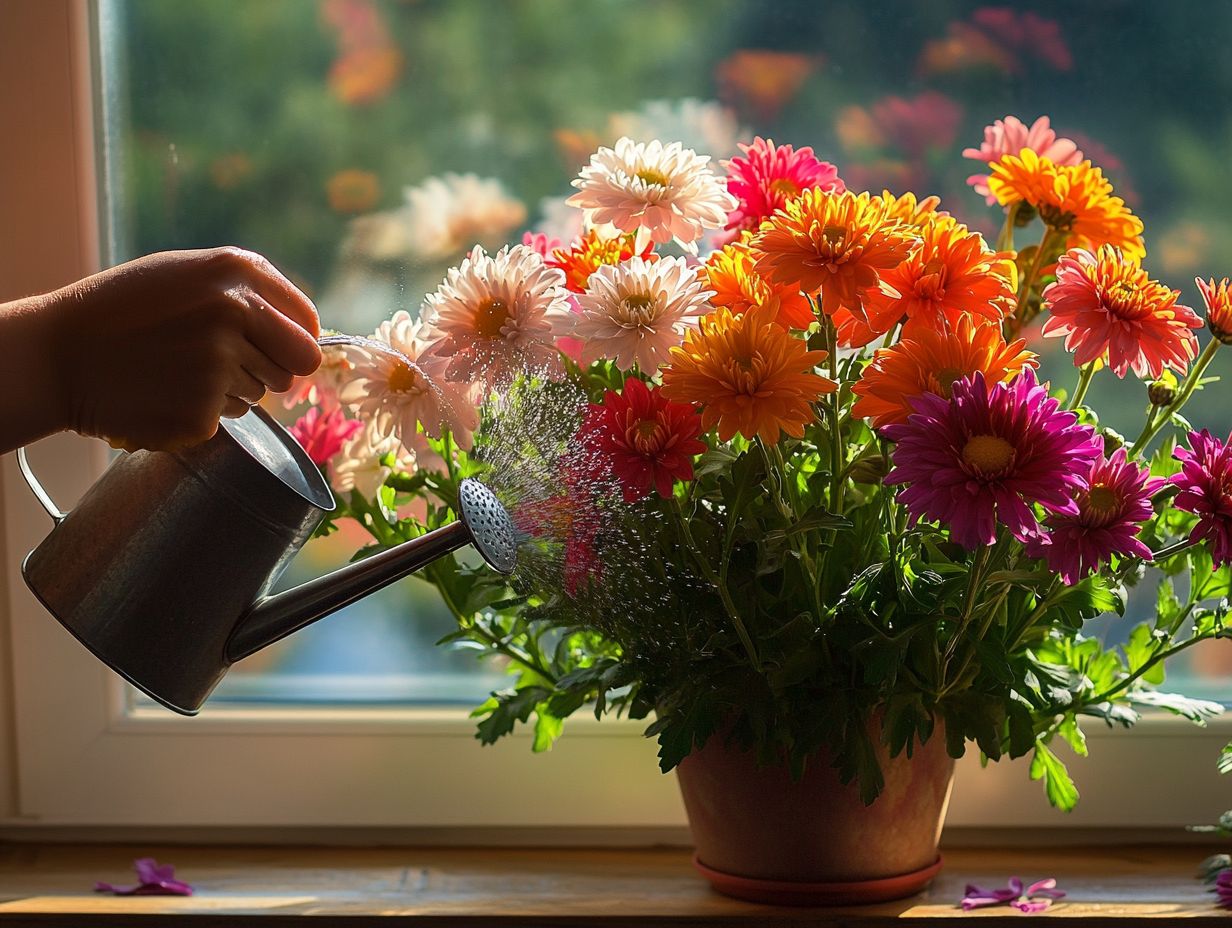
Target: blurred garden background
[(363, 145)]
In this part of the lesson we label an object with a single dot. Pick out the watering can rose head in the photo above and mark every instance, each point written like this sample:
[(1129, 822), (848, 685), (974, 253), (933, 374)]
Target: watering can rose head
[(805, 489)]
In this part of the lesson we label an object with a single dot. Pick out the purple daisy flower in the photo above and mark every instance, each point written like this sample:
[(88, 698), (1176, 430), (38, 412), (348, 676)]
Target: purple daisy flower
[(1205, 482), (988, 453), (1111, 508)]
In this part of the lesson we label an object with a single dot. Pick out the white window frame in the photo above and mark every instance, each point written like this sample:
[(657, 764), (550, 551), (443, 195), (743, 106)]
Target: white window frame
[(74, 751)]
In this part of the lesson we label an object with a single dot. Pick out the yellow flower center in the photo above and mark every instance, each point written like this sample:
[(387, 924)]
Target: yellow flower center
[(647, 435), (1102, 501), (640, 308), (405, 379), (988, 455), (784, 187), (490, 317), (653, 177), (942, 382), (834, 234)]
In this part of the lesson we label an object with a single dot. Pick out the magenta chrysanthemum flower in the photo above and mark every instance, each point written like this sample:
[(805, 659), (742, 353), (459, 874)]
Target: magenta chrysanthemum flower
[(769, 175), (987, 454), (1205, 482), (1111, 510)]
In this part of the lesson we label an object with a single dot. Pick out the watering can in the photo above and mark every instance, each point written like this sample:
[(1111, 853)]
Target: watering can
[(164, 568)]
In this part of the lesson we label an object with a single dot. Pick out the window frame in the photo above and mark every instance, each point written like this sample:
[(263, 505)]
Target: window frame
[(75, 752)]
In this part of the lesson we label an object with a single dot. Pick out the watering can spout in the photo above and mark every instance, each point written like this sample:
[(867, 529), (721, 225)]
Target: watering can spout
[(483, 523)]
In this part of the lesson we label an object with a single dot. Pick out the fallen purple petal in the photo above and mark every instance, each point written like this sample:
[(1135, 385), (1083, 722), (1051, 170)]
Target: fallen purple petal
[(1034, 898), (1223, 888), (155, 881)]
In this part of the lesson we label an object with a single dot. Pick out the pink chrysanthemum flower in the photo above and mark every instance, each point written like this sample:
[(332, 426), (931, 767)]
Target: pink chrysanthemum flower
[(493, 316), (322, 434), (1111, 509), (1205, 482), (769, 175), (405, 390), (1011, 135), (986, 455), (662, 192), (541, 243), (1107, 307), (635, 312)]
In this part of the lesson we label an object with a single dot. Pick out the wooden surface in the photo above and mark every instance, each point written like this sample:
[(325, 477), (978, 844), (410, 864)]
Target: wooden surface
[(267, 887)]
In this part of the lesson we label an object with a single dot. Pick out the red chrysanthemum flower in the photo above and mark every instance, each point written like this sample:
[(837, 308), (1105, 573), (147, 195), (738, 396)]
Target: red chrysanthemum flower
[(647, 440), (986, 455), (769, 175), (1111, 510), (1205, 482), (1106, 306)]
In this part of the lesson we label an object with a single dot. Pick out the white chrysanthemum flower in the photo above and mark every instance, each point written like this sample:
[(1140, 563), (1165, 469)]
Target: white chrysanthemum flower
[(358, 466), (661, 191), (448, 214), (398, 397), (635, 312), (702, 125), (495, 315)]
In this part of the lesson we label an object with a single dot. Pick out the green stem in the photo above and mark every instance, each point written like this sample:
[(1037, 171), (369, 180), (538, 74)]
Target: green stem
[(1005, 240), (1164, 655), (1020, 317), (1084, 381), (1182, 397), (719, 584), (1172, 549)]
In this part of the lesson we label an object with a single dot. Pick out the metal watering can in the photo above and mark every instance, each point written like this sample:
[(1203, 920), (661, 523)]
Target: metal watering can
[(163, 570)]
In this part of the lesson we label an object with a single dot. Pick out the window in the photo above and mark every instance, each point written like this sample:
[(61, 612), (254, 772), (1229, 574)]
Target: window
[(296, 129)]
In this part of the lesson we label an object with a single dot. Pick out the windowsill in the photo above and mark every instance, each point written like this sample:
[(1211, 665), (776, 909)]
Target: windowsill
[(263, 887)]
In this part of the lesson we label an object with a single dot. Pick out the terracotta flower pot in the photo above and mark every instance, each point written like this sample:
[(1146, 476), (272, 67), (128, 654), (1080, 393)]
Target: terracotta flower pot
[(759, 836)]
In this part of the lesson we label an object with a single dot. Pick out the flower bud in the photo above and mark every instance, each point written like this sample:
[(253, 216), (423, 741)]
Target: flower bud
[(1112, 440), (1218, 300), (871, 469), (1163, 391)]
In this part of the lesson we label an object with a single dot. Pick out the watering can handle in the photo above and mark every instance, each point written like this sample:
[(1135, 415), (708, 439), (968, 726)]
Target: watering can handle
[(37, 488)]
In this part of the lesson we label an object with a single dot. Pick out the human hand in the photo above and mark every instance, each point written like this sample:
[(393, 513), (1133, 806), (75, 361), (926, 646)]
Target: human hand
[(151, 353)]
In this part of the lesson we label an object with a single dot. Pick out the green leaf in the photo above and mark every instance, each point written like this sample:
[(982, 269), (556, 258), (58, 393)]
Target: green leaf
[(1196, 710), (1225, 758), (1143, 644), (1058, 786), (1073, 735), (547, 729), (504, 710)]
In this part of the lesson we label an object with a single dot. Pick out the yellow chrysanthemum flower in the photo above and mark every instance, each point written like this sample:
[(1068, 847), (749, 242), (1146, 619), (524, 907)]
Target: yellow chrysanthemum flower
[(1075, 199)]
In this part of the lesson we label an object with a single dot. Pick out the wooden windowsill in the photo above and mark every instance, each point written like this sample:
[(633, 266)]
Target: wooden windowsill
[(267, 887)]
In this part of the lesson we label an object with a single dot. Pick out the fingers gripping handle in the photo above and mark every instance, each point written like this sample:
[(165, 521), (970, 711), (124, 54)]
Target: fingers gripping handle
[(37, 488)]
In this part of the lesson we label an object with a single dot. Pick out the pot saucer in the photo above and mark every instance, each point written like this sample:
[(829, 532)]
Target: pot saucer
[(793, 892)]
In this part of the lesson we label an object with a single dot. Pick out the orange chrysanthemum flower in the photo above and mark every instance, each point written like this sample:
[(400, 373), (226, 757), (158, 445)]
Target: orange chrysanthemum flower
[(752, 375), (838, 243), (738, 286), (1218, 300), (589, 253), (1074, 199), (952, 275), (930, 361)]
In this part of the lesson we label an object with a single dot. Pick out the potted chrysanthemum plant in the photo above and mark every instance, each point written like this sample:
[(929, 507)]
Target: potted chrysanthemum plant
[(789, 482)]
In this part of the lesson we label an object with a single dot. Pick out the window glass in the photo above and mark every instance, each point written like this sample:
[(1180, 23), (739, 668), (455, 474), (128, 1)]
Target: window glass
[(364, 144)]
